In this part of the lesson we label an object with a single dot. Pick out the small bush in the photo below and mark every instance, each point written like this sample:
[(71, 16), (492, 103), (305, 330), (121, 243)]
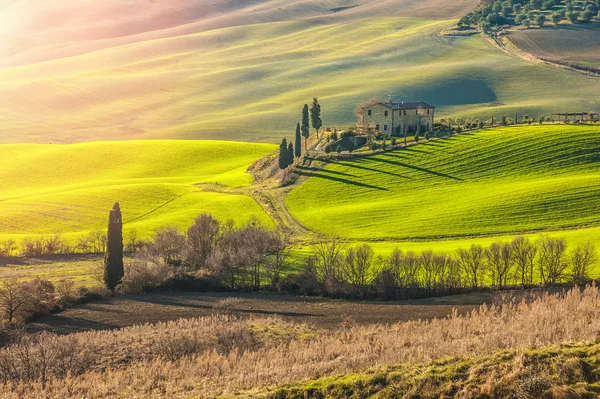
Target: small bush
[(240, 339), (65, 293), (142, 276)]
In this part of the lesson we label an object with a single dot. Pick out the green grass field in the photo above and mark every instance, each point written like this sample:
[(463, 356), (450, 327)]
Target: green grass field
[(498, 182), (69, 189)]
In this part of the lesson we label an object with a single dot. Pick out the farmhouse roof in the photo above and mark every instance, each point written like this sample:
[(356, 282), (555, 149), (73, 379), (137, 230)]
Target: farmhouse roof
[(404, 105)]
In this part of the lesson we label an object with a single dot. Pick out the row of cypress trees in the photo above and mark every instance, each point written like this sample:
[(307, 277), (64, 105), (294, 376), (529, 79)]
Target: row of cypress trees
[(310, 116)]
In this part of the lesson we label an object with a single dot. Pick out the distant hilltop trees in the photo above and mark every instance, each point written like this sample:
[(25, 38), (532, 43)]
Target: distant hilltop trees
[(491, 14)]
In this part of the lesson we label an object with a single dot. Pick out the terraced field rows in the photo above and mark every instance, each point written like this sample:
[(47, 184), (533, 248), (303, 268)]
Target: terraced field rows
[(502, 181)]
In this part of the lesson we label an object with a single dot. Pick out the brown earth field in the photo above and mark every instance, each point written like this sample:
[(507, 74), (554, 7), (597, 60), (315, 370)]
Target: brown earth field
[(318, 312), (579, 44)]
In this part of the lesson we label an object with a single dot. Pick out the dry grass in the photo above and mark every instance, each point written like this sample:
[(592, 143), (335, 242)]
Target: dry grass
[(147, 372)]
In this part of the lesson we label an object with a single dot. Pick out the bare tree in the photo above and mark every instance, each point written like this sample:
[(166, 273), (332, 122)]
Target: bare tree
[(358, 267), (12, 299), (277, 262), (583, 259), (552, 261), (202, 238), (426, 260), (498, 257), (523, 254), (440, 270), (168, 244), (329, 259), (473, 264), (133, 244)]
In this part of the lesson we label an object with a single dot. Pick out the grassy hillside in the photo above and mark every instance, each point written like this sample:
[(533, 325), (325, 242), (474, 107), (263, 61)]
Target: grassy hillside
[(69, 189), (247, 79), (576, 43), (568, 371), (495, 182)]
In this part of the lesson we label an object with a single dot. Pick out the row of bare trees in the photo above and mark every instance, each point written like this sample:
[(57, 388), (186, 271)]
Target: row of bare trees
[(240, 258), (92, 242), (356, 271)]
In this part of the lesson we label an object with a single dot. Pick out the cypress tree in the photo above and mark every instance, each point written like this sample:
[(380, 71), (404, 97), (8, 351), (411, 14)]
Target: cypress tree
[(283, 154), (298, 142), (290, 154), (113, 260), (305, 127), (315, 115)]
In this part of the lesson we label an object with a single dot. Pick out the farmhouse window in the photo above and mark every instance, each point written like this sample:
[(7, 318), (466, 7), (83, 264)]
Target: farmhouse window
[(417, 112), (376, 127), (404, 112), (385, 127), (369, 112), (385, 113), (427, 112)]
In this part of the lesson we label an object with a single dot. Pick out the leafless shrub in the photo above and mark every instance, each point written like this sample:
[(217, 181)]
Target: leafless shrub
[(141, 275), (241, 340), (174, 346), (66, 292), (8, 248)]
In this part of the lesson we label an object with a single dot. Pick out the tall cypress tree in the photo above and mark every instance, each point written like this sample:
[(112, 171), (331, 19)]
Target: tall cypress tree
[(290, 154), (113, 260), (315, 115), (283, 154), (298, 143), (305, 127)]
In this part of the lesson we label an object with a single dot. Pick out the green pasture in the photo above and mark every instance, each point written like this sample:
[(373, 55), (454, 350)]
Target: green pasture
[(497, 182), (69, 189)]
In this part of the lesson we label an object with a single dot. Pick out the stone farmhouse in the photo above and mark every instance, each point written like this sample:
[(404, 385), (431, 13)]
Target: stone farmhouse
[(398, 119)]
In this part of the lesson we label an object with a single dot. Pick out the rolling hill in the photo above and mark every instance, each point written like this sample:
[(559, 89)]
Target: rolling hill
[(495, 182), (579, 44), (242, 71), (68, 189)]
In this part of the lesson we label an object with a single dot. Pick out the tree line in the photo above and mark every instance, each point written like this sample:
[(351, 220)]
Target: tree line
[(252, 258), (494, 13), (213, 255)]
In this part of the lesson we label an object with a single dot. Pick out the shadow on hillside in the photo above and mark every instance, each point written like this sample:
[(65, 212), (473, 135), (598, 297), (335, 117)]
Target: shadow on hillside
[(355, 165), (416, 168), (339, 180), (67, 325), (318, 170)]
